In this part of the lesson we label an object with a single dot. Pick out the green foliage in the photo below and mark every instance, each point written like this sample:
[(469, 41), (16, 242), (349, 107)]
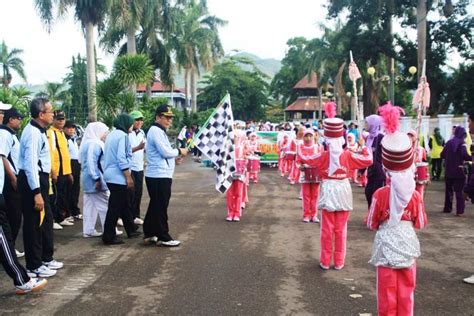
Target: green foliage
[(248, 89), (10, 61), (148, 108), (133, 69), (76, 106)]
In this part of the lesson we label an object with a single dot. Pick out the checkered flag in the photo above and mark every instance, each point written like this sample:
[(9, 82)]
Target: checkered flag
[(216, 140)]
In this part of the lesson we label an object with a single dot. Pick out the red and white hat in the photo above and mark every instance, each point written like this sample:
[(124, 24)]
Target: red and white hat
[(333, 126), (397, 148)]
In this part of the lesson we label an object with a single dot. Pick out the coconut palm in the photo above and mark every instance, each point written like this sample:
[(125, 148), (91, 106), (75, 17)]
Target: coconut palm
[(10, 61), (52, 91), (197, 43), (90, 14)]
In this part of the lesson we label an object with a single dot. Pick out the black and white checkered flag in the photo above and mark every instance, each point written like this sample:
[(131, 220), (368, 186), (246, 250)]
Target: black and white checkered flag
[(216, 140)]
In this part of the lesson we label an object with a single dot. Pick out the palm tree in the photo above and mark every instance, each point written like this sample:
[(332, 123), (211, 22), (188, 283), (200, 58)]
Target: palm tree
[(197, 43), (10, 60), (90, 14), (52, 91)]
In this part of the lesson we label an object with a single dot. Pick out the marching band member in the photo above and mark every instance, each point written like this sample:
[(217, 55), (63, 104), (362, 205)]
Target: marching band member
[(254, 160), (236, 193), (295, 171), (353, 147), (335, 198), (375, 173), (395, 211), (282, 144)]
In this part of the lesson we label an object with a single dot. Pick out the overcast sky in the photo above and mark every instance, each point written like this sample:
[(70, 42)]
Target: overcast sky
[(261, 27)]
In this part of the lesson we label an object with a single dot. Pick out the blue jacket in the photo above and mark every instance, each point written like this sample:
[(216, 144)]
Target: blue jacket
[(91, 165), (117, 157), (159, 153)]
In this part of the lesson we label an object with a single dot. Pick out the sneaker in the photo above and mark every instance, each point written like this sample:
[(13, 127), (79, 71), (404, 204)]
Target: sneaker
[(66, 223), (70, 219), (120, 222), (228, 218), (306, 219), (169, 243), (469, 280), (118, 232), (41, 272), (150, 240), (338, 267), (56, 226), (243, 205), (93, 234), (315, 219), (32, 285), (54, 265), (138, 221), (322, 266), (79, 217), (300, 197), (236, 219), (19, 254)]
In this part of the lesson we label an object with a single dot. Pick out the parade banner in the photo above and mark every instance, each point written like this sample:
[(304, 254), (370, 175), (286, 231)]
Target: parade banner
[(267, 144)]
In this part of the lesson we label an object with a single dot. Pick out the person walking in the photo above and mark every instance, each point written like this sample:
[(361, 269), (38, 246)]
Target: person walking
[(74, 188), (455, 154), (10, 151), (137, 141), (33, 184), (117, 158), (375, 172), (436, 144), (161, 159)]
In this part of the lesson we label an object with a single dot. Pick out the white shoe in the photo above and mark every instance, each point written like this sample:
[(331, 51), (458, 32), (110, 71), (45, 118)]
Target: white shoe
[(93, 234), (41, 272), (170, 243), (79, 216), (228, 218), (118, 232), (69, 219), (469, 280), (32, 285), (66, 223), (19, 254), (315, 219), (56, 226), (322, 266), (150, 240), (236, 219), (54, 265), (306, 220), (120, 222), (138, 221)]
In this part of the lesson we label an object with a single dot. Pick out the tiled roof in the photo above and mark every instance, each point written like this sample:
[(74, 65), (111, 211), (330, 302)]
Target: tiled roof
[(157, 87), (305, 84)]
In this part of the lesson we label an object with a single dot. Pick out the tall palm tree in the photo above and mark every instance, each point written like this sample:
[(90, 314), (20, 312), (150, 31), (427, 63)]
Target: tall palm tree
[(197, 44), (10, 60), (90, 14), (52, 91)]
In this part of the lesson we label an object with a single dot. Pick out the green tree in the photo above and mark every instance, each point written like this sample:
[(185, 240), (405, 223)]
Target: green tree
[(10, 61), (76, 79), (52, 91), (90, 14), (248, 89)]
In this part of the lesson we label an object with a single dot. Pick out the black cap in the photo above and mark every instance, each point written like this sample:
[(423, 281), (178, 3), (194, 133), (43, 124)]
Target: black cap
[(70, 124), (164, 110), (12, 113), (59, 114)]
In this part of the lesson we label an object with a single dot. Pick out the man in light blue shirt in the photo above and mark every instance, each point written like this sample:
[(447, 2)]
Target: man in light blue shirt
[(158, 176), (33, 184)]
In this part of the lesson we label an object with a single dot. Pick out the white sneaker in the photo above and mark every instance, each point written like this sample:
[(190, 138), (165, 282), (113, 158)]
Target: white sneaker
[(54, 265), (118, 232), (469, 280), (41, 272), (138, 221), (19, 254), (66, 223), (236, 219), (306, 220), (228, 218), (69, 219), (79, 216), (170, 243), (32, 285), (120, 222), (315, 219), (93, 234), (150, 240), (56, 226)]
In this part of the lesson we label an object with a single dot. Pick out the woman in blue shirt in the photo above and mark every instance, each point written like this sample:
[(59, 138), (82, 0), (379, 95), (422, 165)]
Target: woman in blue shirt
[(117, 158)]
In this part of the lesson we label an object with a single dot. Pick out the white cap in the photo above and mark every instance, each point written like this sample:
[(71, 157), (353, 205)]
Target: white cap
[(4, 106)]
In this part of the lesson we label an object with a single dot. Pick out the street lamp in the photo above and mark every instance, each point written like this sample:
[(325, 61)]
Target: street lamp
[(391, 79)]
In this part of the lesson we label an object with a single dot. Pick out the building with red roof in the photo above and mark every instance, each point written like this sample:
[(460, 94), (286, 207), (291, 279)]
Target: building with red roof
[(176, 97)]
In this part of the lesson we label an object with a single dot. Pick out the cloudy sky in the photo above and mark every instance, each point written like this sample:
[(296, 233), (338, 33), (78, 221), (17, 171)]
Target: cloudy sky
[(261, 27)]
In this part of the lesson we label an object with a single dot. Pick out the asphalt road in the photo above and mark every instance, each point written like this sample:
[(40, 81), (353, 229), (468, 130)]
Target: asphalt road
[(266, 264)]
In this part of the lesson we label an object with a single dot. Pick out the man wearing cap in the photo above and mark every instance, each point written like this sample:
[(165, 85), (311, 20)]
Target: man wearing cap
[(33, 184), (61, 172), (137, 141), (158, 176), (10, 150), (74, 188)]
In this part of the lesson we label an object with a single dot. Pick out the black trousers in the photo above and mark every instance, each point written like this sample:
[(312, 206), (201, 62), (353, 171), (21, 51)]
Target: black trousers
[(119, 206), (156, 219), (38, 240), (7, 250), (12, 208), (62, 197), (74, 188), (437, 167), (372, 186), (137, 192)]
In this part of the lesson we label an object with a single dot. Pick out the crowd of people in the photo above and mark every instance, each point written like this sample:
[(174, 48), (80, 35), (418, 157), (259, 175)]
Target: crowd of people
[(42, 174)]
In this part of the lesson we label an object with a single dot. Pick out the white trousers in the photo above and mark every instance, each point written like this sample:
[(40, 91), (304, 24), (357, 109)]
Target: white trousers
[(95, 204)]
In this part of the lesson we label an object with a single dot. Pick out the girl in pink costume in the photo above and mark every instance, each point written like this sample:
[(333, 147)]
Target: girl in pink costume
[(253, 151), (295, 171), (335, 198), (236, 194), (309, 178), (282, 144), (353, 147), (420, 156), (395, 211)]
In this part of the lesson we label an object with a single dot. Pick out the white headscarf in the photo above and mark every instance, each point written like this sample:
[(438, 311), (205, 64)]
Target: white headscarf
[(335, 151), (93, 134), (402, 186)]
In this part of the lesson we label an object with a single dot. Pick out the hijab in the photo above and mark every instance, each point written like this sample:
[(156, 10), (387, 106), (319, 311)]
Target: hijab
[(374, 123), (437, 135), (459, 138), (402, 186), (123, 122), (335, 151), (93, 134)]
